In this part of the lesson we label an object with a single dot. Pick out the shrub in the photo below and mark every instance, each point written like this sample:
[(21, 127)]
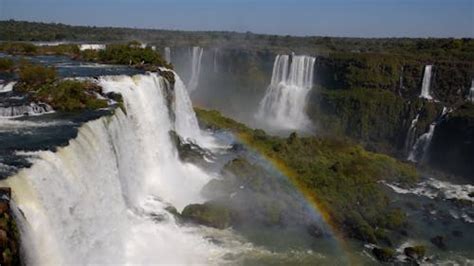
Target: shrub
[(6, 64), (35, 75)]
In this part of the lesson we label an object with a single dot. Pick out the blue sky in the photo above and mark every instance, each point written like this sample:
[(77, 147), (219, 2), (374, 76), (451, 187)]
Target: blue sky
[(358, 18)]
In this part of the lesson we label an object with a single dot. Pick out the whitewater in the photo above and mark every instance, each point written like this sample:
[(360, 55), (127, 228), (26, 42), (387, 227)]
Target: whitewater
[(104, 198), (284, 103)]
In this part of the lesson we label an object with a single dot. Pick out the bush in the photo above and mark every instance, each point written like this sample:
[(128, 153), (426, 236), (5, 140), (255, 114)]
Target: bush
[(70, 95), (35, 75), (6, 64)]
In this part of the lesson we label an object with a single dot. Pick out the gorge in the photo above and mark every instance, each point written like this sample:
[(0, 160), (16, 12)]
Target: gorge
[(306, 161)]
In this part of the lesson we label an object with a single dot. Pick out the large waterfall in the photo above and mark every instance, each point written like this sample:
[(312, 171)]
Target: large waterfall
[(102, 199), (195, 68), (283, 106), (426, 84)]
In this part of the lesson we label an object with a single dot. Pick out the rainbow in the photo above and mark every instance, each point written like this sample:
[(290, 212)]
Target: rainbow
[(309, 195)]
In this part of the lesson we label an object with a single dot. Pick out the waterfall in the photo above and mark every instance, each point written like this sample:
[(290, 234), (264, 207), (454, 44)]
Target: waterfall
[(419, 151), (411, 134), (84, 47), (215, 65), (7, 87), (195, 68), (168, 54), (102, 199), (426, 85), (186, 123), (471, 92), (283, 105)]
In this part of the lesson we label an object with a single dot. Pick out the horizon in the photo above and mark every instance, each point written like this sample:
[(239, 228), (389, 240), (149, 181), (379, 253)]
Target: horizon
[(322, 18), (229, 31)]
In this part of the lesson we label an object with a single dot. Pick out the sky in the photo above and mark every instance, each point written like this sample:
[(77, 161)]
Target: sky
[(353, 18)]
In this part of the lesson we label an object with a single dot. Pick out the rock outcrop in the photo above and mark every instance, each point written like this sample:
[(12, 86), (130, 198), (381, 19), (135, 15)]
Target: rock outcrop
[(9, 235)]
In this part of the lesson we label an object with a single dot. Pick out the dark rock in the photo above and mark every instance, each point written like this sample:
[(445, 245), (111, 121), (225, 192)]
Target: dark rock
[(439, 242), (416, 252), (237, 147), (209, 214), (337, 167), (314, 231), (383, 254), (457, 233), (9, 236), (452, 146)]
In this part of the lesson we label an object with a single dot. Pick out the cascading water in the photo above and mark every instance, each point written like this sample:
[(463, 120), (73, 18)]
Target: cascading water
[(215, 65), (426, 84), (30, 109), (283, 106), (7, 87), (168, 54), (470, 96), (195, 68), (411, 134), (419, 151), (102, 199)]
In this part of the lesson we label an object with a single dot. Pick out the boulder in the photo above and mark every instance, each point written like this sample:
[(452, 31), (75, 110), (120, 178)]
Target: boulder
[(208, 214), (439, 242), (415, 252), (383, 254)]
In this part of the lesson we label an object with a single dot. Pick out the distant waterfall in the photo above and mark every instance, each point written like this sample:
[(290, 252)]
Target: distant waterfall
[(168, 54), (419, 150), (102, 199), (470, 96), (411, 134), (283, 106), (426, 84), (195, 68), (215, 65)]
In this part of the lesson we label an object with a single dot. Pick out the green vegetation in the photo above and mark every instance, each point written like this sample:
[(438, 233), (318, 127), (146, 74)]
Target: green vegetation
[(126, 54), (341, 176), (42, 84), (6, 64), (378, 119), (448, 48)]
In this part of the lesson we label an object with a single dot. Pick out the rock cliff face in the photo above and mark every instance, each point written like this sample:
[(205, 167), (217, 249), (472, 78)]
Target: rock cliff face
[(374, 99), (9, 236), (452, 147), (370, 97)]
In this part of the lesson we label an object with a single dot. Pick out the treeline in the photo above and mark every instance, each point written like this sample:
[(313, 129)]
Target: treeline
[(446, 48)]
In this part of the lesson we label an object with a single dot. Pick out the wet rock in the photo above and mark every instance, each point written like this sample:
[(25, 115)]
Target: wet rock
[(208, 214), (457, 233), (439, 242), (9, 236), (314, 230), (416, 253), (383, 254)]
